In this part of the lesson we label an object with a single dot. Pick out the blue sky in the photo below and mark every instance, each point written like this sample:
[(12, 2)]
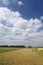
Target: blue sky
[(28, 8), (21, 22)]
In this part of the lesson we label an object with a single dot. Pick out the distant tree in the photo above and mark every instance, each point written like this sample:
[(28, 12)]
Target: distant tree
[(29, 46)]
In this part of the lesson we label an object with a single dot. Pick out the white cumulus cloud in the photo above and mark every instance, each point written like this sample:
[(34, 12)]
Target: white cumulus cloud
[(15, 28), (20, 3), (6, 2)]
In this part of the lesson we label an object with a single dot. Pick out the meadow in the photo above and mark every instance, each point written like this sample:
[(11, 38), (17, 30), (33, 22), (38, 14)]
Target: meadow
[(21, 56)]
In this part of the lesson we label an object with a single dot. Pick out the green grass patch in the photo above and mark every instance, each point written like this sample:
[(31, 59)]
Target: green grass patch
[(6, 49)]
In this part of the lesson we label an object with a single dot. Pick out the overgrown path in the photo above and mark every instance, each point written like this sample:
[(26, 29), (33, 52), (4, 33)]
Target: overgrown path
[(20, 57)]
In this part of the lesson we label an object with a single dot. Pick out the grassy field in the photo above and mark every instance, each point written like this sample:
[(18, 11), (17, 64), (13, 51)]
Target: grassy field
[(23, 56)]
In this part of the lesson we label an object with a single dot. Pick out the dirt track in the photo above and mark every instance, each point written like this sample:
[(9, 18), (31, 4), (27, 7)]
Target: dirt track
[(20, 57)]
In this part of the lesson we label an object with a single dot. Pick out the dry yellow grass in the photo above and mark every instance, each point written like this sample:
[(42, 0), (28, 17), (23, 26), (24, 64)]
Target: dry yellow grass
[(40, 49), (23, 56)]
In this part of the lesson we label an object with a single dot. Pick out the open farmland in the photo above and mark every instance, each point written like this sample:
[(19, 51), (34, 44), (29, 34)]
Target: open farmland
[(23, 56)]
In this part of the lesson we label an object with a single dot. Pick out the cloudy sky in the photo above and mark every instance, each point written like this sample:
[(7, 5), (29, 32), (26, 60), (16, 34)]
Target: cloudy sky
[(21, 22)]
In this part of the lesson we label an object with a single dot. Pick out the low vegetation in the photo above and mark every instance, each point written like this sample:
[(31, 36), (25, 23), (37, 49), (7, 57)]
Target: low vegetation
[(24, 56), (6, 49), (39, 51)]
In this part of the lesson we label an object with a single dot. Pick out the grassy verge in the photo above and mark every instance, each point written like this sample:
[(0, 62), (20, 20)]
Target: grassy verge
[(6, 49), (39, 52)]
